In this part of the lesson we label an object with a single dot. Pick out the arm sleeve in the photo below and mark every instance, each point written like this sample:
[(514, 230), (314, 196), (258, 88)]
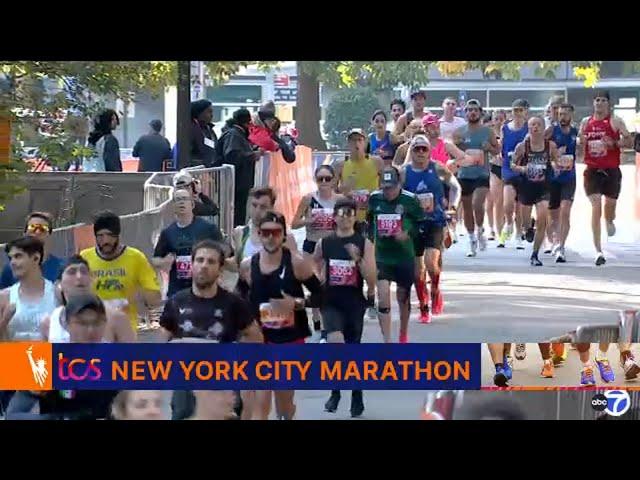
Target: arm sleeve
[(169, 319)]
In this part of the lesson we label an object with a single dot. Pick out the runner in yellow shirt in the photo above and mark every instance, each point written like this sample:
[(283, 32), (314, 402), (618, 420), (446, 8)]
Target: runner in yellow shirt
[(120, 272)]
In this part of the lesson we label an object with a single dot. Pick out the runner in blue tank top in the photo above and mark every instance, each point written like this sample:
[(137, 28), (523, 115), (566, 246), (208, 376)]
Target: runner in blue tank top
[(477, 141), (382, 147), (426, 179), (563, 183), (513, 133)]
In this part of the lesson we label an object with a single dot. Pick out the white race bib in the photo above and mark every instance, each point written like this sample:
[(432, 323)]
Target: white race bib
[(426, 201), (322, 219), (389, 225), (183, 267), (273, 321), (343, 273)]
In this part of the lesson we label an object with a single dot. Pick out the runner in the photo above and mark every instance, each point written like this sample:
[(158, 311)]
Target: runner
[(449, 123), (120, 272), (315, 213), (534, 159), (418, 101), (500, 355), (548, 370), (513, 133), (397, 108), (172, 252), (414, 128), (75, 280), (39, 225), (551, 118), (207, 311), (627, 362), (427, 179), (495, 198), (246, 238), (393, 219), (275, 276), (477, 141), (24, 305), (141, 405), (380, 143), (347, 258), (601, 136), (359, 175), (563, 183)]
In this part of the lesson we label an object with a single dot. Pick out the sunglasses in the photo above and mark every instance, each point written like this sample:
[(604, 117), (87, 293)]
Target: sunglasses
[(346, 212), (324, 179), (271, 232), (421, 149), (38, 228)]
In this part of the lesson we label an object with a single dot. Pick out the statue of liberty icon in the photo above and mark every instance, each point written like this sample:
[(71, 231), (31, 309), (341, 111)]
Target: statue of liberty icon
[(38, 367)]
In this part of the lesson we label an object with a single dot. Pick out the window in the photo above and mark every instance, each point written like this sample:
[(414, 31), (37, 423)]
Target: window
[(436, 97), (538, 99), (239, 94)]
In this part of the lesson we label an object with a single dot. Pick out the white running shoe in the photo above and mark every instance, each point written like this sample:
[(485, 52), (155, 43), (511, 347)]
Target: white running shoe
[(555, 249), (482, 242), (473, 247), (560, 256), (611, 229), (521, 351), (519, 243), (600, 260), (372, 313)]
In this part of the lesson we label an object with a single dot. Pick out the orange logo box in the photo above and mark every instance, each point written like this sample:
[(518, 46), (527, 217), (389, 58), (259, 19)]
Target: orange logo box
[(26, 366)]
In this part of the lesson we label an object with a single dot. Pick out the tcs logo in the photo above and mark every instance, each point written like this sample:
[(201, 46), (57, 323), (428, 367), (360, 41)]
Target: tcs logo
[(78, 368), (613, 402)]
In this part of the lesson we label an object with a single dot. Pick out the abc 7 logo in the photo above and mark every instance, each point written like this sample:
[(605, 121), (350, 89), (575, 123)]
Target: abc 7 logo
[(613, 402)]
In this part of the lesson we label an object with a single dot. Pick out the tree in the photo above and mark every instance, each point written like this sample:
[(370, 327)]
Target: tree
[(345, 74), (350, 108)]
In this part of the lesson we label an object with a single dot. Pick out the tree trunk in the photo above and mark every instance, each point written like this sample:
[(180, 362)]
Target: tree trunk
[(308, 110), (184, 114)]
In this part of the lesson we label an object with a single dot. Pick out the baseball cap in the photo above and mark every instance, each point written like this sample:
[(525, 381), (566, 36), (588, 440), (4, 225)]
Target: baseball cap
[(390, 178), (356, 131), (473, 103), (75, 305), (415, 93), (430, 119), (419, 141), (520, 103), (182, 178)]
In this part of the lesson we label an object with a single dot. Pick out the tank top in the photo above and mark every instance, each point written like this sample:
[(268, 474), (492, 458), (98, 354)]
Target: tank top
[(322, 213), (25, 324), (57, 333), (383, 148), (366, 179), (473, 140), (247, 247), (429, 190), (439, 152), (510, 139), (277, 329), (567, 140), (538, 164), (344, 281), (596, 153)]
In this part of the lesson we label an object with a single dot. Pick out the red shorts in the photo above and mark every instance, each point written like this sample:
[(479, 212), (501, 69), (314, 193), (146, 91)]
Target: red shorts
[(300, 341)]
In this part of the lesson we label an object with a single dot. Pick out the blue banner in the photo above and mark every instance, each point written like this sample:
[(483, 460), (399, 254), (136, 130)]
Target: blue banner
[(208, 366)]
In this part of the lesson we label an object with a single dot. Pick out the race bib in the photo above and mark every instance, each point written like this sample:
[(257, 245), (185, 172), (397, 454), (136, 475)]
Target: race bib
[(121, 304), (361, 197), (343, 273), (426, 201), (565, 162), (389, 225), (183, 267), (536, 172), (597, 148), (322, 219), (273, 321)]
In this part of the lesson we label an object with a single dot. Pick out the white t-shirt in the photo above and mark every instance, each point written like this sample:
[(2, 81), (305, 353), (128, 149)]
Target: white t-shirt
[(447, 128)]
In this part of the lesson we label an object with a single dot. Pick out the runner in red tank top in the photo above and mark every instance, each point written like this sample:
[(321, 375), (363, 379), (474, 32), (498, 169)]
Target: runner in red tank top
[(601, 137)]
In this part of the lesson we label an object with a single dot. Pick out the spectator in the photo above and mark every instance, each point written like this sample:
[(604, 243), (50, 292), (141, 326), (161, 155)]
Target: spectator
[(152, 149), (40, 226), (141, 405), (263, 132), (203, 138), (204, 206), (235, 149), (107, 149)]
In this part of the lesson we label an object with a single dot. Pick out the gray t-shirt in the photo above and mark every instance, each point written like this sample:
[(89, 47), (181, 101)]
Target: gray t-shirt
[(152, 149)]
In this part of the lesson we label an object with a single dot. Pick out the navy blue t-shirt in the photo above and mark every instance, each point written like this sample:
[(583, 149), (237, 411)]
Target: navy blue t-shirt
[(50, 270), (180, 241)]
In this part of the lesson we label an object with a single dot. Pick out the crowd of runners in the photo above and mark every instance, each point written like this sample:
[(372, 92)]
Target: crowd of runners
[(385, 215)]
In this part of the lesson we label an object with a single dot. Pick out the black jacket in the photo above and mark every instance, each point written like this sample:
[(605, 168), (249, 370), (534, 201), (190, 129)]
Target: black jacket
[(235, 149), (201, 154)]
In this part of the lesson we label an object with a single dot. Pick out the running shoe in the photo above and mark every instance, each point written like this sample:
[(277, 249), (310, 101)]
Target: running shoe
[(586, 376), (372, 313), (425, 315), (332, 404), (600, 260), (507, 366), (606, 372), (357, 404), (519, 243), (530, 234), (317, 326), (492, 236), (403, 338), (437, 305), (555, 249), (521, 351), (473, 248), (500, 378), (631, 368), (535, 261), (559, 353), (503, 237), (560, 257), (547, 369), (482, 241), (611, 229)]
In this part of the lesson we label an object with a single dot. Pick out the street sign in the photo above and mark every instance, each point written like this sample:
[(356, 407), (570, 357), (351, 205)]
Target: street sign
[(285, 94), (281, 80)]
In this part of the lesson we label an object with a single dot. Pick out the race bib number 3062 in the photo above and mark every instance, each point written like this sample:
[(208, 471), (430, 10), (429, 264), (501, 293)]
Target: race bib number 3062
[(343, 273)]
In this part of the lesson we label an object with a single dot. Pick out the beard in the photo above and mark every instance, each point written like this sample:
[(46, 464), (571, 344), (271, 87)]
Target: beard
[(273, 249), (205, 283)]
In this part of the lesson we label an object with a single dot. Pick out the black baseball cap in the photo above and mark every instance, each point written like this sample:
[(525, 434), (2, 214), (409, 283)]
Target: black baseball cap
[(78, 304), (602, 94), (473, 103), (390, 178), (520, 103), (416, 93)]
